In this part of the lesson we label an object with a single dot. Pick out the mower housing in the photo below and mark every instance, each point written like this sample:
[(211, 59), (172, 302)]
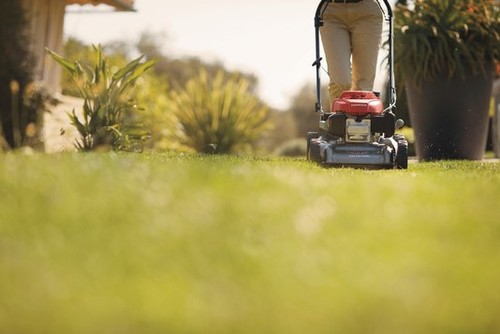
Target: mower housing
[(358, 134)]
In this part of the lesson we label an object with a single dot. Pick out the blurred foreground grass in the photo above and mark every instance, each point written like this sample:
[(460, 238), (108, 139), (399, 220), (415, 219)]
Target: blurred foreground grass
[(115, 243)]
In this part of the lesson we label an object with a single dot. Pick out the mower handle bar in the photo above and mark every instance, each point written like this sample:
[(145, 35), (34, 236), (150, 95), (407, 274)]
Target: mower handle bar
[(318, 22)]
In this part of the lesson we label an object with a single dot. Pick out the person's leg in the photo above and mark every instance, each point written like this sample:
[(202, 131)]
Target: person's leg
[(337, 47), (366, 21)]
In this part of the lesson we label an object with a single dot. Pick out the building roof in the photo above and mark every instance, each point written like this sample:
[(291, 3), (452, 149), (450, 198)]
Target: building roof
[(120, 5)]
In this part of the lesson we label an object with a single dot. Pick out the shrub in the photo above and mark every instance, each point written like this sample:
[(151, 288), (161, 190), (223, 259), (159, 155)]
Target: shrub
[(219, 116), (106, 100), (293, 148)]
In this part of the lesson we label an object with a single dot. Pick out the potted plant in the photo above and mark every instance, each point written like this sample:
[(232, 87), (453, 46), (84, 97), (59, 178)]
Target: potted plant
[(444, 54)]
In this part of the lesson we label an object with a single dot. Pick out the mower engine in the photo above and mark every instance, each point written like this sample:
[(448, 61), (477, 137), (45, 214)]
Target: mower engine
[(358, 105)]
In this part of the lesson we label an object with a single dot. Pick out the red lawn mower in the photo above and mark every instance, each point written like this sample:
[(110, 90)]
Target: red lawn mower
[(358, 132)]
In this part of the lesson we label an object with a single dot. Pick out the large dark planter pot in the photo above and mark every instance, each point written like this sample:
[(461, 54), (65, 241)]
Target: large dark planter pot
[(450, 116)]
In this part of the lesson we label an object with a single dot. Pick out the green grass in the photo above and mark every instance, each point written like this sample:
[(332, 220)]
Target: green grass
[(115, 243)]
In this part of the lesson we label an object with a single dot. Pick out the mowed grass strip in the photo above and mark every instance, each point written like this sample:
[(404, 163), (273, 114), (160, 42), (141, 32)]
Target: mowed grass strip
[(161, 243)]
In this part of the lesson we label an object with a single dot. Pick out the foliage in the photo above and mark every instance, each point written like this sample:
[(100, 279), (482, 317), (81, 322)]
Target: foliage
[(106, 100), (16, 73), (223, 244), (152, 94), (219, 115), (445, 36), (77, 49), (176, 73)]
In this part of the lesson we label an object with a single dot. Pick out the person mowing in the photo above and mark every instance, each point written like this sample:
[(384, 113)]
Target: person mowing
[(351, 37)]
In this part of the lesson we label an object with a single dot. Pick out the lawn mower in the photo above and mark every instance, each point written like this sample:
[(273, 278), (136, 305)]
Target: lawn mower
[(358, 131)]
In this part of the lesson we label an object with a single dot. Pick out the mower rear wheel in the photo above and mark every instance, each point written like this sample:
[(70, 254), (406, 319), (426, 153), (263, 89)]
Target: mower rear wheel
[(402, 157)]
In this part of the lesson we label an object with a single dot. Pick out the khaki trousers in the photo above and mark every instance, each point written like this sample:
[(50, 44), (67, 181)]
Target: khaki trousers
[(351, 31)]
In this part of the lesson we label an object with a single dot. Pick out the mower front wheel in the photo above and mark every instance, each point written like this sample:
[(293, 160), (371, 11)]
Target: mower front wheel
[(310, 135), (313, 147)]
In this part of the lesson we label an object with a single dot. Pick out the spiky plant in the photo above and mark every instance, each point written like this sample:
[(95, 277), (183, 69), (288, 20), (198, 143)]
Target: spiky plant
[(445, 36), (219, 115), (105, 92)]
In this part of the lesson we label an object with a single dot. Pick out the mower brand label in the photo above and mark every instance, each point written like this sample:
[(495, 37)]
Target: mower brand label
[(359, 156)]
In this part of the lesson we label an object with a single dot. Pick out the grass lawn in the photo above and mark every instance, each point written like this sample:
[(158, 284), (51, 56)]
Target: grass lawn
[(151, 243)]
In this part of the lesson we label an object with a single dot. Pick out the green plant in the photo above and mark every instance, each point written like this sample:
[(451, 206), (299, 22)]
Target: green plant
[(105, 92), (219, 115), (445, 36), (85, 53)]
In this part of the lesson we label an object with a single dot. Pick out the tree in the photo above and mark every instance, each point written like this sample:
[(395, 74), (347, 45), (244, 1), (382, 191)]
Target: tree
[(178, 71), (302, 108), (16, 73)]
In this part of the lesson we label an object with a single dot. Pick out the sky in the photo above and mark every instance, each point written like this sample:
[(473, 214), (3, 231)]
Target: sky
[(273, 39)]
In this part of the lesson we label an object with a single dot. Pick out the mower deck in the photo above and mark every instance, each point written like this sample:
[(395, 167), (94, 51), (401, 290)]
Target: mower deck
[(336, 153)]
